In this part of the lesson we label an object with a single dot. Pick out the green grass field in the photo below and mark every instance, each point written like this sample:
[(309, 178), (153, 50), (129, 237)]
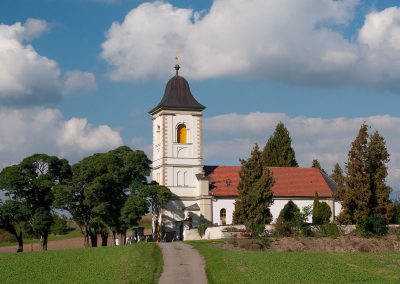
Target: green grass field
[(232, 266), (139, 263)]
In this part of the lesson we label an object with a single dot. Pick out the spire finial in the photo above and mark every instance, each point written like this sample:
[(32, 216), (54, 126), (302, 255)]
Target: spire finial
[(177, 64)]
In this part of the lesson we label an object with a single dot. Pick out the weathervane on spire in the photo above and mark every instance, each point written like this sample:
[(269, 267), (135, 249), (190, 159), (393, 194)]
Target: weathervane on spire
[(177, 64)]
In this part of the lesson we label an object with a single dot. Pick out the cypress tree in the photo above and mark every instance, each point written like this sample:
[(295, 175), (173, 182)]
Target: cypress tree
[(378, 159), (278, 151), (315, 212), (317, 165), (250, 173), (357, 196), (338, 177), (255, 193)]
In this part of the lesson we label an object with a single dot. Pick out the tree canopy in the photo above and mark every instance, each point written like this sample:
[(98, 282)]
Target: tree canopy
[(366, 190), (278, 151), (31, 184), (340, 181), (99, 193), (317, 165), (255, 193)]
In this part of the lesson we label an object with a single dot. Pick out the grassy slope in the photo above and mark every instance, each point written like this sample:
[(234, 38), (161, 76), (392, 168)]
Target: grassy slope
[(140, 263), (231, 266)]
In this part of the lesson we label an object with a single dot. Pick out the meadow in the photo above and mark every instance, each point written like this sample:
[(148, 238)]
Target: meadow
[(237, 266), (139, 263)]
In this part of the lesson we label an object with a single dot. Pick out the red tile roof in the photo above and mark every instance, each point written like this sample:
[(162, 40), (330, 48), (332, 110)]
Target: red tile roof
[(289, 182)]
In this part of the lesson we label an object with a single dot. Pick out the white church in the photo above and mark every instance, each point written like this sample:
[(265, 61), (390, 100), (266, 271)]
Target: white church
[(202, 192)]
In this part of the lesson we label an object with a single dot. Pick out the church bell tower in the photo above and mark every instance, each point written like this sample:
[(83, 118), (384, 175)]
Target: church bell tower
[(177, 152)]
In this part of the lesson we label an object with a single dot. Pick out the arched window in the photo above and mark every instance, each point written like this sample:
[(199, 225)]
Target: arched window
[(222, 216), (158, 134), (179, 179), (181, 134)]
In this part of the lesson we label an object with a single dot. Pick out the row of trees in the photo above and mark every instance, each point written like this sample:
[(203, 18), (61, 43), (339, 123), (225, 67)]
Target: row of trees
[(362, 191), (105, 192)]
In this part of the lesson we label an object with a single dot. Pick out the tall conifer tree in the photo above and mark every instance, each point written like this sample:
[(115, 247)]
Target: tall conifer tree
[(278, 151), (357, 197), (255, 193), (378, 159), (338, 177), (317, 165)]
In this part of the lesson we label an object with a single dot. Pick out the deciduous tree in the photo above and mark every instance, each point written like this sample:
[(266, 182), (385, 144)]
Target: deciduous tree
[(158, 196), (31, 183), (13, 217)]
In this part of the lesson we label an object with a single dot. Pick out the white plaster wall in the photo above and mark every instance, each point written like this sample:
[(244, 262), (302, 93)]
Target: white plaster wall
[(276, 207), (338, 208), (174, 211), (218, 204), (157, 141), (182, 159)]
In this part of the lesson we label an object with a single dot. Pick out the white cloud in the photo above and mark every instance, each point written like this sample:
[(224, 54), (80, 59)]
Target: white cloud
[(33, 28), (230, 137), (28, 78), (78, 81), (77, 135), (42, 130), (295, 42)]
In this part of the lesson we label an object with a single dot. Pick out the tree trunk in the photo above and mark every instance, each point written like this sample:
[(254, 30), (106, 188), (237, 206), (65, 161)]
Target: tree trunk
[(104, 239), (20, 242), (43, 241), (123, 238), (93, 240), (114, 234), (85, 233), (86, 240)]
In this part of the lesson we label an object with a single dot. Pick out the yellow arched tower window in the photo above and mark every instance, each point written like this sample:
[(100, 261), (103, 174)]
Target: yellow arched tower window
[(182, 134)]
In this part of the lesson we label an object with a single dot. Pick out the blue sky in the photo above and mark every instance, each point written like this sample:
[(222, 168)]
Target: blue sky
[(321, 67)]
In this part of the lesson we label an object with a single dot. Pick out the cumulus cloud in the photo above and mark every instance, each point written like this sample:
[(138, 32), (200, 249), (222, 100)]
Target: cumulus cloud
[(78, 81), (229, 137), (28, 78), (43, 130), (295, 42)]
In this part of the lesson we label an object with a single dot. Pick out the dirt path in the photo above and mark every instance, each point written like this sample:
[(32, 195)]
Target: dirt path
[(182, 264)]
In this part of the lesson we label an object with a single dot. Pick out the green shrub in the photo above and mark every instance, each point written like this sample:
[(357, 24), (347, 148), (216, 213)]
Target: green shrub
[(321, 213), (6, 237), (292, 222), (329, 230), (373, 225), (289, 212), (202, 228)]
